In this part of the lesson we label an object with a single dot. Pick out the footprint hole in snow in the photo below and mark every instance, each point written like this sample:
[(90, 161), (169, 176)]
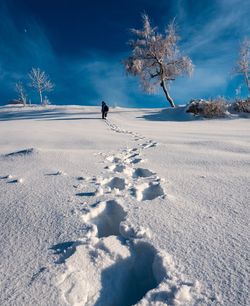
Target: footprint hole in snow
[(132, 155), (142, 278), (128, 280), (141, 172), (147, 191), (132, 150), (113, 159), (115, 182), (134, 161), (117, 168), (152, 192), (107, 218)]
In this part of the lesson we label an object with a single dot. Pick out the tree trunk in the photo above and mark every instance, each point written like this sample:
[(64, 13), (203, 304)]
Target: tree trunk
[(41, 97), (23, 97), (170, 100), (247, 81)]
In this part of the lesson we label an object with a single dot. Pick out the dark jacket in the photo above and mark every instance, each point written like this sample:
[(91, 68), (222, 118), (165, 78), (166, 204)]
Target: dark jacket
[(105, 107)]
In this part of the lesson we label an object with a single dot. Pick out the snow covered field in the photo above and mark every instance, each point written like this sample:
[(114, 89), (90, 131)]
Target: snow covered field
[(134, 210)]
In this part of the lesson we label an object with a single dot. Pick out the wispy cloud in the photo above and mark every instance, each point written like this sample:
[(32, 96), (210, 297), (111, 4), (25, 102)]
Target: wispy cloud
[(212, 40)]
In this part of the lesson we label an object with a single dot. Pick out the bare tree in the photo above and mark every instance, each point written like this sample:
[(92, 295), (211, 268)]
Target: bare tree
[(156, 58), (243, 63), (40, 82), (21, 92)]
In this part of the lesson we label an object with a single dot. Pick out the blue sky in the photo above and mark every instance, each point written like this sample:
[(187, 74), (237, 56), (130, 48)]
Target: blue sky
[(81, 45)]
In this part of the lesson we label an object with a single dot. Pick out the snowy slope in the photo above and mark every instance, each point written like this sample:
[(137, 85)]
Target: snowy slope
[(134, 210)]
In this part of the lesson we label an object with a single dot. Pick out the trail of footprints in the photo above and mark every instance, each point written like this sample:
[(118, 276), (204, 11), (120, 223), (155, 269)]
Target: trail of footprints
[(114, 264)]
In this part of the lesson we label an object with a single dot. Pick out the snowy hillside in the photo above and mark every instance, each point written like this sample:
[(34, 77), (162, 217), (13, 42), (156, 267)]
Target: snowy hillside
[(147, 208)]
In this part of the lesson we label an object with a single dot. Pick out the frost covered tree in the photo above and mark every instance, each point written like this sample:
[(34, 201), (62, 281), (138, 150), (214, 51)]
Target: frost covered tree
[(21, 92), (46, 101), (156, 58), (40, 82), (243, 63)]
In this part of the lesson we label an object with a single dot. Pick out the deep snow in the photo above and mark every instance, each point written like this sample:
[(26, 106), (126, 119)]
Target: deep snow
[(149, 207)]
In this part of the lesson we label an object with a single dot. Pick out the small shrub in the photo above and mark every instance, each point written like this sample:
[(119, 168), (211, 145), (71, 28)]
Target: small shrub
[(241, 106), (208, 109)]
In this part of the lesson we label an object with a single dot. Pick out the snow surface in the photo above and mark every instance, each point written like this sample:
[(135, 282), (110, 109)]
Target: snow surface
[(149, 207)]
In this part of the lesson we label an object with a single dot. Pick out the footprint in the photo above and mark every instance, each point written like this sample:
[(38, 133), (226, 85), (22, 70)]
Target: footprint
[(117, 168), (115, 183), (133, 150), (131, 278), (110, 272), (132, 156), (134, 160), (113, 159), (141, 278), (120, 168), (140, 172), (83, 282), (106, 216), (147, 191)]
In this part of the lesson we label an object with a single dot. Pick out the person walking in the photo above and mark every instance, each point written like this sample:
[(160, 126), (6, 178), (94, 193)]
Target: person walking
[(105, 110)]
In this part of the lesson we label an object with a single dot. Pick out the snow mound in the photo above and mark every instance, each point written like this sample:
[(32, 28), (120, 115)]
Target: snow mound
[(170, 114)]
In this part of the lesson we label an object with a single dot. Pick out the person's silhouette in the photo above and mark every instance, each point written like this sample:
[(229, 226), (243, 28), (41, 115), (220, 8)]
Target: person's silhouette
[(105, 110)]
